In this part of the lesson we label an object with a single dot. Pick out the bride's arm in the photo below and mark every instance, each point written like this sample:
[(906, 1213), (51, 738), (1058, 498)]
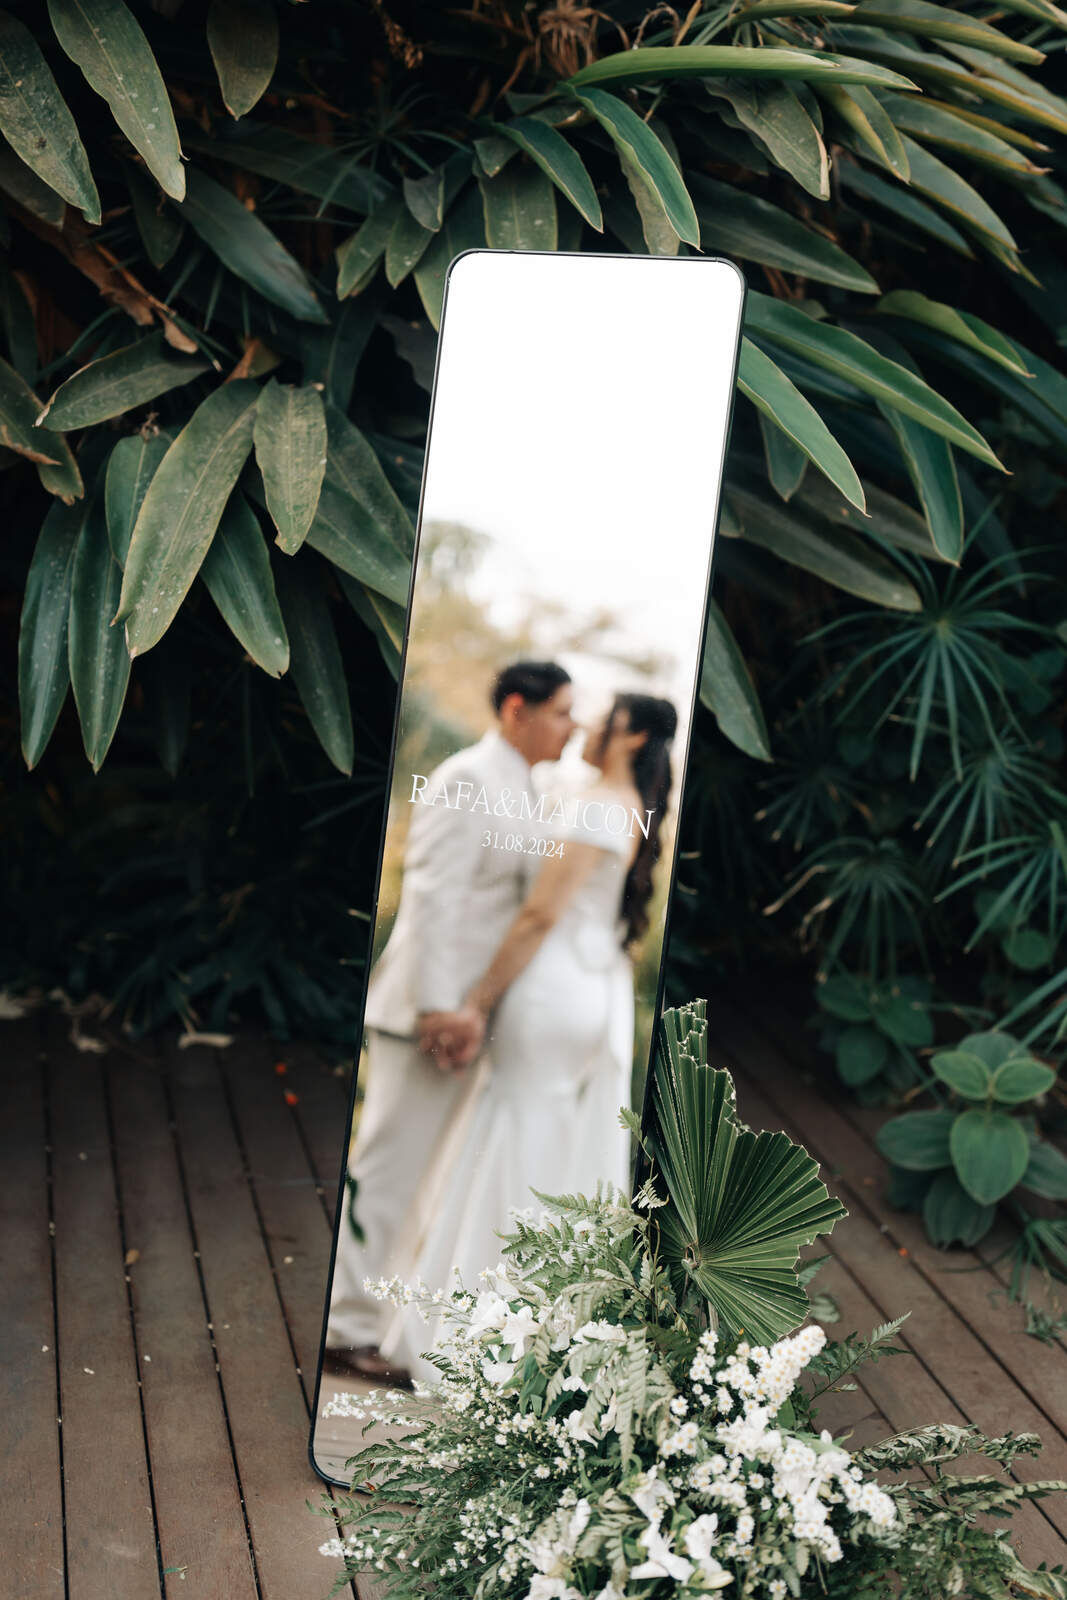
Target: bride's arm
[(553, 888)]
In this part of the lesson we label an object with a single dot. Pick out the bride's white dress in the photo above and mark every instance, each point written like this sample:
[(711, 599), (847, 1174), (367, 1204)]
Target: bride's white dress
[(542, 1106)]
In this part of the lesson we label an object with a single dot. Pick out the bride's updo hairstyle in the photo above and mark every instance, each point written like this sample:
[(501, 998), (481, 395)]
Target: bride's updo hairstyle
[(652, 775)]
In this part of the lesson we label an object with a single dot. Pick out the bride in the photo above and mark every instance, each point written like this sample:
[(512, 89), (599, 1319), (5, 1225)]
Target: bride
[(556, 1009)]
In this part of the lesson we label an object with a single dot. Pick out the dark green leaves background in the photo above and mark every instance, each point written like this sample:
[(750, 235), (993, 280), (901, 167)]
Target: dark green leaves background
[(225, 233)]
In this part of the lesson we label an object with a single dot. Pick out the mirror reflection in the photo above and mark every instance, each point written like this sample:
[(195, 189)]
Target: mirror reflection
[(554, 643)]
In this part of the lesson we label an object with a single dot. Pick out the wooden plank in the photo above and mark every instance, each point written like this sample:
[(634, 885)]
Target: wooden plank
[(30, 1483), (799, 1048), (111, 1540), (1038, 1369), (265, 1404), (202, 1534), (978, 1286), (904, 1387), (292, 1214), (282, 1143), (978, 1387), (320, 1080)]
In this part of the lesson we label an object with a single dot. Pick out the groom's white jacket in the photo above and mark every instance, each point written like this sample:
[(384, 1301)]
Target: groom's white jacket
[(458, 895)]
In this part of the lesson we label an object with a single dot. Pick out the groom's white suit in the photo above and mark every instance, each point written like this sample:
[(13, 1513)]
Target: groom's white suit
[(457, 900)]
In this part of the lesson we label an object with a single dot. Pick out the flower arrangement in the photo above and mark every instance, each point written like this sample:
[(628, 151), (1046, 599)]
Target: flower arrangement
[(602, 1429)]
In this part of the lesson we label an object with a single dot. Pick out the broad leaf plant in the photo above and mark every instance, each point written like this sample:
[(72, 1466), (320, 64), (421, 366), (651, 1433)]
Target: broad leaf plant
[(226, 231)]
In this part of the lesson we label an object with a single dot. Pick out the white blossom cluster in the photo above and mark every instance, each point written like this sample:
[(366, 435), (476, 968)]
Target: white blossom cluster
[(592, 1469)]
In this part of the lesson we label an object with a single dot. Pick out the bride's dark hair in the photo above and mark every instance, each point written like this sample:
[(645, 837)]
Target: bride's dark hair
[(651, 765)]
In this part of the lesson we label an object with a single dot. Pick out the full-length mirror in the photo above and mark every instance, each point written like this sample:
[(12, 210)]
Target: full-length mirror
[(580, 417)]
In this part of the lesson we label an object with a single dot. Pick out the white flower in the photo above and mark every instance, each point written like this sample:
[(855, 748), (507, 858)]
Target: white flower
[(700, 1536), (604, 1332), (518, 1328), (650, 1492), (545, 1588), (662, 1561), (498, 1371), (490, 1312), (574, 1429)]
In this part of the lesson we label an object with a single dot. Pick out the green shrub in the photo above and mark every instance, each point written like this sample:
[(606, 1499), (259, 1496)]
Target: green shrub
[(964, 1160), (891, 186)]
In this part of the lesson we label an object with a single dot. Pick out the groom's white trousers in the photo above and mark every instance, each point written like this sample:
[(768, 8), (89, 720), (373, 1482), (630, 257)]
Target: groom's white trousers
[(408, 1103)]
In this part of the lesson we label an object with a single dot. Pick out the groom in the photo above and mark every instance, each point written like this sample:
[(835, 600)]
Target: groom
[(458, 897)]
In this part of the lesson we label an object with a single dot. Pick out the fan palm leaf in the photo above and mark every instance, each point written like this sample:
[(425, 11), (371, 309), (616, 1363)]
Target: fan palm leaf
[(740, 1204)]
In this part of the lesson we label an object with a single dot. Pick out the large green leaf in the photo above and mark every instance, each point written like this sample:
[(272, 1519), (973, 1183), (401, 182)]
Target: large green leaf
[(853, 359), (237, 572), (21, 183), (118, 382), (787, 465), (463, 229), (426, 198), (652, 63), (384, 619), (1021, 1079), (990, 1152), (243, 38), (360, 253), (315, 661), (1041, 397), (557, 157), (639, 148), (248, 248), (19, 410), (44, 670), (159, 225), (360, 524), (938, 182), (1021, 96), (871, 125), (1046, 1171), (918, 1141), (915, 212), (353, 467), (779, 399), (937, 124), (774, 114), (861, 1053), (736, 223), (106, 41), (951, 1215), (99, 663), (130, 469), (886, 516), (740, 1205), (932, 469), (964, 1072), (959, 325), (520, 208), (181, 510), (405, 246), (940, 22), (726, 688), (35, 119), (842, 559), (290, 440)]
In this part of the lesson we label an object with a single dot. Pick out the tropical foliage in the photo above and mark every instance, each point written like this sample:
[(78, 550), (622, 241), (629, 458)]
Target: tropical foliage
[(225, 239), (960, 1161), (599, 1430)]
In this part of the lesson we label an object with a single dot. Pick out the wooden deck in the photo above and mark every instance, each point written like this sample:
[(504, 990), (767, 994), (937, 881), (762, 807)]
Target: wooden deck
[(163, 1254)]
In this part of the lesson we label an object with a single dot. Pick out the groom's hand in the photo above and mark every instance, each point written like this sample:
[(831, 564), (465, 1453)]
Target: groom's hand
[(452, 1038)]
